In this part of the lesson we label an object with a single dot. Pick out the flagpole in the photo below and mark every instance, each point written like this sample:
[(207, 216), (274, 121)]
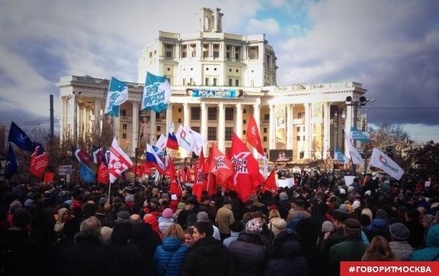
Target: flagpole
[(109, 191), (350, 154)]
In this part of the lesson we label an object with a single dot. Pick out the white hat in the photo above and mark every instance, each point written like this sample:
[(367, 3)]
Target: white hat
[(356, 204)]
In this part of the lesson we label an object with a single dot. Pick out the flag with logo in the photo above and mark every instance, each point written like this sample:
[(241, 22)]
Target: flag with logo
[(185, 138), (253, 136), (103, 174), (20, 138), (156, 93), (381, 161), (353, 152), (199, 142), (119, 161), (220, 166), (81, 155), (161, 142), (117, 95), (247, 177), (38, 161), (11, 166)]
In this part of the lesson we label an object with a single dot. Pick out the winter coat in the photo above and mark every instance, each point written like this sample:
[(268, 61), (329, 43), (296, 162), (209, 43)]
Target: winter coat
[(351, 249), (170, 254), (147, 241), (251, 252), (224, 218), (431, 251), (378, 227), (402, 249), (208, 257), (287, 258), (129, 258), (276, 225), (89, 256)]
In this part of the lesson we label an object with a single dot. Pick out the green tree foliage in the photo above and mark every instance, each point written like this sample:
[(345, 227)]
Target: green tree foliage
[(424, 161)]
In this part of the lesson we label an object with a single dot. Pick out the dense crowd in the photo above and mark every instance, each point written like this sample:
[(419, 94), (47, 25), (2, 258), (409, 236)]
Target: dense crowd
[(141, 229)]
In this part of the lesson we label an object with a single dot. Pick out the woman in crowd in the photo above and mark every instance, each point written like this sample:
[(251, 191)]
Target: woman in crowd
[(169, 256), (378, 250)]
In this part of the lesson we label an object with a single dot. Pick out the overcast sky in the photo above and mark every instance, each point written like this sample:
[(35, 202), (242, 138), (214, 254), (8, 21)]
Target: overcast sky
[(391, 47)]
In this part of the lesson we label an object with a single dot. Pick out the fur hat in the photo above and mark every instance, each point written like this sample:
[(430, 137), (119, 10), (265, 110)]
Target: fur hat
[(380, 213), (327, 226), (167, 213), (254, 226), (352, 226), (106, 234), (367, 212), (202, 216), (399, 231)]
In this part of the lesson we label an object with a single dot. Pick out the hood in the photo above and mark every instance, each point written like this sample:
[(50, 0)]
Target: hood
[(432, 239), (171, 244), (279, 223), (380, 223)]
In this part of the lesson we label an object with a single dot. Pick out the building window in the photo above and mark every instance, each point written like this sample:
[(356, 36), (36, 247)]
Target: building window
[(244, 122), (301, 115), (194, 50), (298, 129), (179, 120), (184, 51), (123, 113), (214, 81), (237, 52), (229, 113), (266, 117), (124, 126), (298, 138), (206, 81), (265, 130), (265, 139), (179, 110), (159, 129), (169, 48), (211, 133), (216, 48), (237, 82), (124, 135), (302, 154), (197, 129), (212, 113), (195, 113), (205, 50), (228, 133), (253, 52), (230, 82)]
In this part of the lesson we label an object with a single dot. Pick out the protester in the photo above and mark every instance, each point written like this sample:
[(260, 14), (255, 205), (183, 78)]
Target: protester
[(378, 250), (208, 256), (400, 247), (235, 230), (224, 218), (431, 251), (276, 224)]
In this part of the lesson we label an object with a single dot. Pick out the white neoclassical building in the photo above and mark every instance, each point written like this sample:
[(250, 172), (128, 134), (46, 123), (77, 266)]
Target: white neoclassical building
[(218, 81)]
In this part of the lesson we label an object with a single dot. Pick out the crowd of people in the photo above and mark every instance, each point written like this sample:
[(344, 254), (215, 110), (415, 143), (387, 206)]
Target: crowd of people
[(141, 229)]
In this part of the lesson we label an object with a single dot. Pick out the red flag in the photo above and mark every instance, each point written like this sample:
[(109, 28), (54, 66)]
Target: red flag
[(38, 162), (270, 183), (49, 177), (103, 173), (170, 171), (253, 137), (247, 176), (220, 166)]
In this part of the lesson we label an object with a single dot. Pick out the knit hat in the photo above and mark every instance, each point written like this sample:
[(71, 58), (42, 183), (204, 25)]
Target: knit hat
[(399, 231), (340, 215), (356, 204), (352, 226), (327, 226), (167, 213), (123, 215), (202, 216), (283, 196), (253, 226), (380, 213), (181, 206), (106, 234), (61, 212), (367, 212)]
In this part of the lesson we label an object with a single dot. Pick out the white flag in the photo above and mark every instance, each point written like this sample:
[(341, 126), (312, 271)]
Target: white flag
[(161, 142), (199, 142), (119, 161), (185, 138), (384, 162), (353, 152)]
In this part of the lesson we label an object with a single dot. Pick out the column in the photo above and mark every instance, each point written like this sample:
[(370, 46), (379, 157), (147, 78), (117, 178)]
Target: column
[(347, 130), (221, 127), (272, 131), (238, 122), (290, 126), (257, 116), (97, 114), (326, 129), (153, 124), (308, 130), (186, 115), (135, 127), (169, 119), (203, 125)]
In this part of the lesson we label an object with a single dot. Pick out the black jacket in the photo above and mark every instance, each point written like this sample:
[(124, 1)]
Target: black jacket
[(251, 252)]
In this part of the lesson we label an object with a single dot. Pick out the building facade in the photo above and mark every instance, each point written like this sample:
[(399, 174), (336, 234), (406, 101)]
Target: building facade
[(218, 81)]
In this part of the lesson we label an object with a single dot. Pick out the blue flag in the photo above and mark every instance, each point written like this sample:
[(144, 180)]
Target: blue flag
[(117, 95), (156, 94), (339, 156), (12, 166), (20, 138), (85, 173), (359, 135)]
